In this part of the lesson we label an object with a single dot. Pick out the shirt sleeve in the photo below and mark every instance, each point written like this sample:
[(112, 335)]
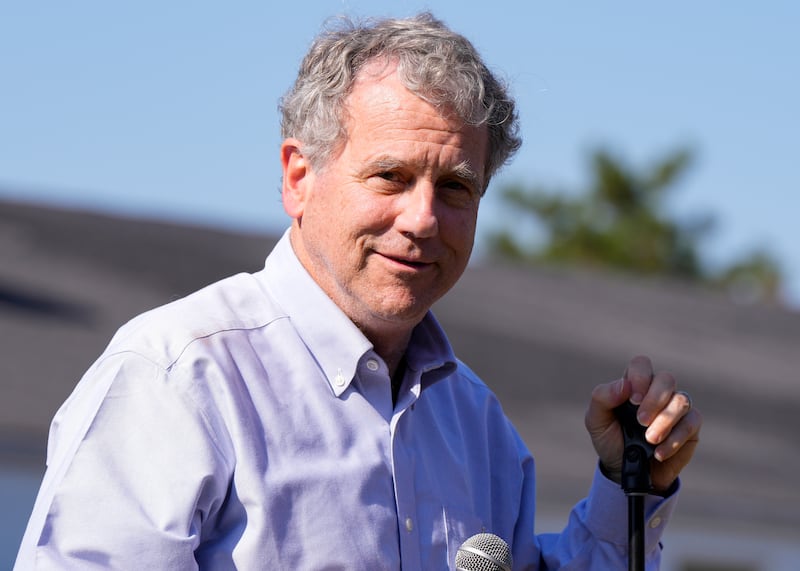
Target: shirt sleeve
[(596, 535), (133, 473)]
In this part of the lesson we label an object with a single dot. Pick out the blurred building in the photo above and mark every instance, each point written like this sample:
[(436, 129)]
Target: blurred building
[(541, 338)]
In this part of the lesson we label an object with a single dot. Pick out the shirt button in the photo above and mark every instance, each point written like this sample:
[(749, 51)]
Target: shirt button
[(339, 379), (372, 365), (655, 522), (409, 525)]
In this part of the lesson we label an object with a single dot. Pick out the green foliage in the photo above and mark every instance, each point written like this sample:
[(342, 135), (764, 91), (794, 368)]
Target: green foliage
[(754, 277), (620, 222)]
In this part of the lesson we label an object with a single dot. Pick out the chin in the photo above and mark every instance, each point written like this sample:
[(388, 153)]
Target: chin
[(407, 314)]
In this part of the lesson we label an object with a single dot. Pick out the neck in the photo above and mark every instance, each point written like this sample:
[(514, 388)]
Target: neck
[(391, 350)]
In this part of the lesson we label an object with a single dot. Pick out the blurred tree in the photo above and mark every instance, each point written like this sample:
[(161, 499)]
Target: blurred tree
[(621, 222), (756, 277)]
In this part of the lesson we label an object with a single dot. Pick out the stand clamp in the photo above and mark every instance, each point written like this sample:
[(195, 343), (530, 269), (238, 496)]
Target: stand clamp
[(636, 482)]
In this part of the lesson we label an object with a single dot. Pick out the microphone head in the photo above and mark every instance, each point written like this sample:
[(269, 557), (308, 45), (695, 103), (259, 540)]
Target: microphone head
[(484, 552)]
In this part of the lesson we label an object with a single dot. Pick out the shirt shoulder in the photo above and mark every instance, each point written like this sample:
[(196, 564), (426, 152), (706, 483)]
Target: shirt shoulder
[(470, 382), (238, 303)]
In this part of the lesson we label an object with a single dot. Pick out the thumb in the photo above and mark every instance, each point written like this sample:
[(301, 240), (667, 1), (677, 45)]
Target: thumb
[(602, 425), (605, 398)]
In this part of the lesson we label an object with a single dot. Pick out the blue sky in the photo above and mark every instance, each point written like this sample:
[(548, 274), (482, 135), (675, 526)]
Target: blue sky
[(168, 109)]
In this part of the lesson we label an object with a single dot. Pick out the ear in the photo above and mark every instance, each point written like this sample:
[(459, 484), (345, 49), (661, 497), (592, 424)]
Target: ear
[(296, 178)]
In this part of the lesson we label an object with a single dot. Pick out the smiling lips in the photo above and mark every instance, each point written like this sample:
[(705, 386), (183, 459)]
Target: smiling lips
[(415, 263)]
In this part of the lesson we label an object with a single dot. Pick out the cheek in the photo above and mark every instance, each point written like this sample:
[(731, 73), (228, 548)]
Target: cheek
[(457, 230), (348, 208), (343, 224), (367, 215)]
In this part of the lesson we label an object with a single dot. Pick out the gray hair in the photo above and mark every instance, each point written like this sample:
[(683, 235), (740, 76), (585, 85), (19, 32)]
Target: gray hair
[(433, 62)]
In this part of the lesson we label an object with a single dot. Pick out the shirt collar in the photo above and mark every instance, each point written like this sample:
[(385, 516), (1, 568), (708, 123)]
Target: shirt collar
[(429, 352), (339, 345)]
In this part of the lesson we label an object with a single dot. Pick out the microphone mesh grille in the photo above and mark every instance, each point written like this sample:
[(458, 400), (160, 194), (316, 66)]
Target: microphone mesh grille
[(484, 552)]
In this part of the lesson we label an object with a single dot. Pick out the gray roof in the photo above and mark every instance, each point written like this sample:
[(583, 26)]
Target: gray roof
[(541, 338)]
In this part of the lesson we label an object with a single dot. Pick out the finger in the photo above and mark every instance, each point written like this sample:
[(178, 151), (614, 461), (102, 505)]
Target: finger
[(611, 395), (665, 473), (668, 417), (640, 374), (682, 438), (676, 452), (658, 397)]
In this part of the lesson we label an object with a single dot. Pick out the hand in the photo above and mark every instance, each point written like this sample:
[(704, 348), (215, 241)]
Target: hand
[(672, 423)]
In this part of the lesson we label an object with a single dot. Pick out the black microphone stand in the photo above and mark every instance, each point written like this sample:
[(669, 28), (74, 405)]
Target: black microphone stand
[(635, 480)]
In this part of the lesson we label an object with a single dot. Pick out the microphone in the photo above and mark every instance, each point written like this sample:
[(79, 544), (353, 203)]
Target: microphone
[(484, 552)]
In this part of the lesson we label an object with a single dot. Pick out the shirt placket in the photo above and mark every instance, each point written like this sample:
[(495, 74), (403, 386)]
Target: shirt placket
[(403, 472), (375, 385)]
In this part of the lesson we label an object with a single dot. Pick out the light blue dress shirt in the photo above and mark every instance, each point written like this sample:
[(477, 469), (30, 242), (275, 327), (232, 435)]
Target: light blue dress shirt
[(250, 426)]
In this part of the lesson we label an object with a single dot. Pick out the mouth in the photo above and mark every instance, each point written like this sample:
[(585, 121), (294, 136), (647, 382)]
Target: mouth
[(410, 263)]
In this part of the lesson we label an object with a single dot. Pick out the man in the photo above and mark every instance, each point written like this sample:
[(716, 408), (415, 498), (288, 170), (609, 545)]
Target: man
[(313, 415)]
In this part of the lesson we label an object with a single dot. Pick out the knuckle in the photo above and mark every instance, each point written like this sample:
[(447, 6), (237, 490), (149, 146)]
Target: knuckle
[(667, 379)]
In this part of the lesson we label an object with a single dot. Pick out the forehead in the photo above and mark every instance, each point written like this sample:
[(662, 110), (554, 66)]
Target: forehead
[(381, 113), (379, 88)]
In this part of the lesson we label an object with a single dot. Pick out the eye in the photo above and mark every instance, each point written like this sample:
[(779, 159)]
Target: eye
[(387, 181), (458, 193), (455, 185), (390, 176)]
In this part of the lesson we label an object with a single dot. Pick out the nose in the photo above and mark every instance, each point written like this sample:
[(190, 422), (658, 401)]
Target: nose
[(417, 212)]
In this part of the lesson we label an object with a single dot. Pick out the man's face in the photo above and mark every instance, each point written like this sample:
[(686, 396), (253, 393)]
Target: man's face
[(387, 226)]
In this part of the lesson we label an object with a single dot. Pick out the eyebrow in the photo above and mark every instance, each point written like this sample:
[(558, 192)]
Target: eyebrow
[(462, 170)]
